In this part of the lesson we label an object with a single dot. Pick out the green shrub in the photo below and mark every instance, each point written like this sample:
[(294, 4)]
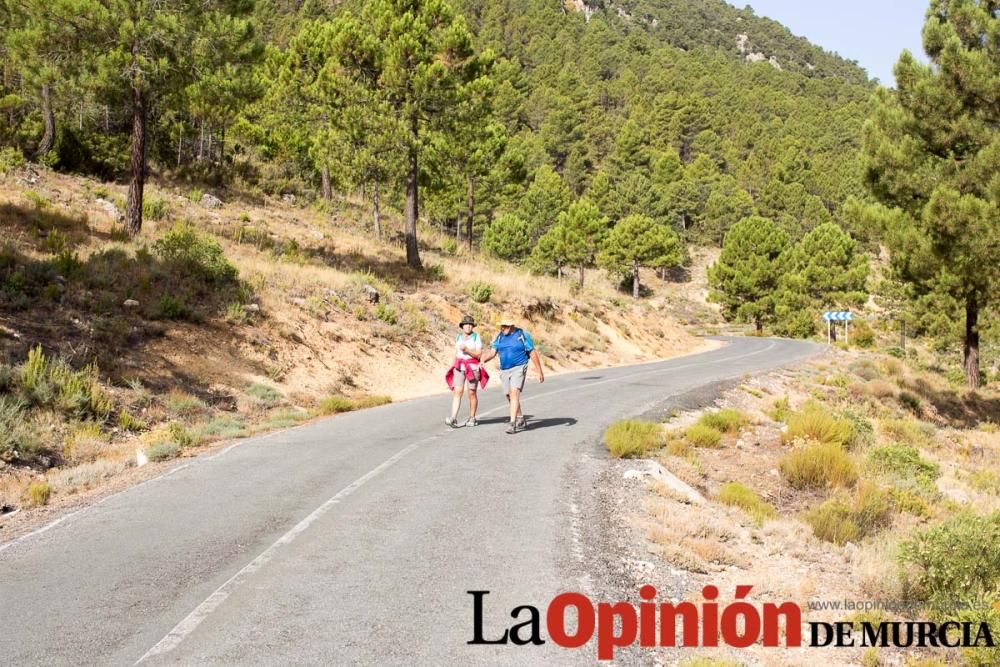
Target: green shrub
[(906, 500), (285, 419), (154, 208), (13, 434), (39, 493), (450, 247), (265, 395), (224, 427), (958, 559), (386, 313), (862, 335), (815, 423), (700, 435), (10, 159), (163, 450), (170, 307), (727, 420), (189, 253), (781, 409), (903, 462), (183, 404), (236, 313), (865, 369), (862, 431), (631, 438), (845, 519), (896, 351), (818, 464), (909, 431), (181, 435), (747, 499), (480, 292), (128, 422)]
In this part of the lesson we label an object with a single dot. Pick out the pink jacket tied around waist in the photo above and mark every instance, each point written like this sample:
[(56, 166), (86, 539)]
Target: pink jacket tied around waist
[(468, 367)]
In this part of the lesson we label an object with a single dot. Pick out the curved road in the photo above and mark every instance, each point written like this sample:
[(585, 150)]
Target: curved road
[(352, 540)]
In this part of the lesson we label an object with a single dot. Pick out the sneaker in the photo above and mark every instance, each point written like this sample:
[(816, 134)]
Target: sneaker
[(521, 423), (513, 428), (471, 421), (451, 422)]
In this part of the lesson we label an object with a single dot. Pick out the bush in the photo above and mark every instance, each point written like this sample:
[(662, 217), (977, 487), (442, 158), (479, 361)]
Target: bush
[(632, 438), (480, 292), (700, 435), (727, 420), (183, 404), (386, 313), (908, 431), (845, 519), (224, 427), (862, 432), (903, 462), (814, 423), (862, 335), (170, 307), (53, 384), (896, 351), (747, 499), (865, 369), (818, 464), (10, 159), (163, 450), (154, 208), (189, 253), (130, 423), (39, 493), (958, 559), (265, 395), (781, 409)]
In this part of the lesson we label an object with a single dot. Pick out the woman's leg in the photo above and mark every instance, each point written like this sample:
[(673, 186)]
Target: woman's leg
[(473, 403), (456, 399)]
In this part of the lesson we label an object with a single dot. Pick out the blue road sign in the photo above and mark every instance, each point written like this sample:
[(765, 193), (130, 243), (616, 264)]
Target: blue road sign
[(838, 316)]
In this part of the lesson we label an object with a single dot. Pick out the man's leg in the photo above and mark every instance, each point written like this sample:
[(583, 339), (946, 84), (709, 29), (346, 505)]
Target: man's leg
[(515, 403)]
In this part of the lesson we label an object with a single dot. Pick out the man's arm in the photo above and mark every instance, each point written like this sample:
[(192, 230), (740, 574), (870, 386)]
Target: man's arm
[(536, 359)]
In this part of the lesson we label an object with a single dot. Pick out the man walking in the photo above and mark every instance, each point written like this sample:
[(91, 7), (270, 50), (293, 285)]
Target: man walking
[(515, 348)]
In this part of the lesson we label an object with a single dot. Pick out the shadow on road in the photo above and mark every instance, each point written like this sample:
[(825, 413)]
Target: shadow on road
[(532, 422)]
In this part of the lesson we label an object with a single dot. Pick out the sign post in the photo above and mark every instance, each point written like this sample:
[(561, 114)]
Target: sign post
[(832, 316)]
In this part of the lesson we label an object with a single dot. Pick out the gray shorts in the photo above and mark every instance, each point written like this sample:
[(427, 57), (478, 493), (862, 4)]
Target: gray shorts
[(513, 378), (458, 379)]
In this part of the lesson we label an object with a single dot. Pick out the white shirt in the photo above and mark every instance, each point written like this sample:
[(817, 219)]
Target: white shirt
[(472, 342)]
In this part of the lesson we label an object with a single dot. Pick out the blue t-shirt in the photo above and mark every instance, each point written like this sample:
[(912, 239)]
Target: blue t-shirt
[(513, 348)]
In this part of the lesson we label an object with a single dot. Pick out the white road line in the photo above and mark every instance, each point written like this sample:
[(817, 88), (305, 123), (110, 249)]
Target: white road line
[(180, 632)]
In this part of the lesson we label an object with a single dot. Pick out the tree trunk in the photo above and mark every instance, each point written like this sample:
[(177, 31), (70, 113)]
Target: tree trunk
[(471, 211), (180, 146), (325, 179), (133, 210), (49, 115), (971, 356), (376, 210), (412, 209), (559, 271), (201, 142), (581, 274), (759, 324), (635, 278)]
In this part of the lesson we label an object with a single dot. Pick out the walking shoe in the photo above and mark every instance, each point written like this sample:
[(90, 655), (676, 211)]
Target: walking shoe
[(471, 421), (451, 422), (522, 423), (513, 428)]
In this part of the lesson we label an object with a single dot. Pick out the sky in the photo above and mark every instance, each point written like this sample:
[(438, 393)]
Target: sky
[(872, 32)]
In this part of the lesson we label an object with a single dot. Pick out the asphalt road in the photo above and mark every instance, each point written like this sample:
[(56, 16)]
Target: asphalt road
[(352, 540)]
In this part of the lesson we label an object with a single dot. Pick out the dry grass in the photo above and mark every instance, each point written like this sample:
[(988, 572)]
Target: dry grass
[(812, 465), (632, 438), (700, 435), (745, 498), (845, 519), (815, 423), (727, 420), (336, 404)]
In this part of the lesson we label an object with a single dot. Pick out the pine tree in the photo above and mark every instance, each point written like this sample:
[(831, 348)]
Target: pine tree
[(824, 271), (745, 278), (636, 242), (573, 240), (546, 198), (931, 149), (508, 238), (415, 58)]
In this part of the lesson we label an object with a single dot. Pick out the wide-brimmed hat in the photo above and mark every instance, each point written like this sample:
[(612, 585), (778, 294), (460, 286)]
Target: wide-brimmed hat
[(507, 320), (468, 319)]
